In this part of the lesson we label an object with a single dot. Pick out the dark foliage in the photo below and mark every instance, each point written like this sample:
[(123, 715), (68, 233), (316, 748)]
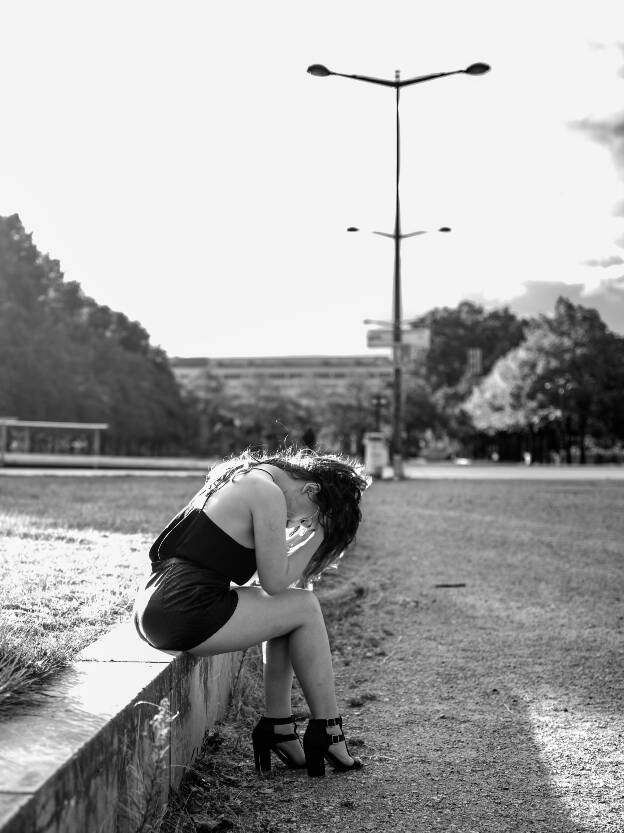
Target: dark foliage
[(563, 387), (63, 357), (455, 331)]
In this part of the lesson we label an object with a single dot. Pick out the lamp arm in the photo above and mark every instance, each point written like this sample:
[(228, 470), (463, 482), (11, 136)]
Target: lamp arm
[(382, 81), (420, 78)]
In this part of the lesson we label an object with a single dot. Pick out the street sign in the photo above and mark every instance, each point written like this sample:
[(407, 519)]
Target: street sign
[(419, 337), (379, 338)]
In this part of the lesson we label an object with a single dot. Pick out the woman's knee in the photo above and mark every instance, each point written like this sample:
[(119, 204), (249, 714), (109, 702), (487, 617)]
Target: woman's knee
[(310, 604), (304, 604)]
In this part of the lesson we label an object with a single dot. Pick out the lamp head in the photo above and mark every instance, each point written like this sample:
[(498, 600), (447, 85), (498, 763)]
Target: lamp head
[(319, 70), (477, 69)]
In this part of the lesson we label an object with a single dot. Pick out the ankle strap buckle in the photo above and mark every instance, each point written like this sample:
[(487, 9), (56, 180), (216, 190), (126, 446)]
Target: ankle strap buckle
[(334, 721), (336, 738)]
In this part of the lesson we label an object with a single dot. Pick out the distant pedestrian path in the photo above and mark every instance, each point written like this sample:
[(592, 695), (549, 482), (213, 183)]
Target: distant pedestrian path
[(510, 471)]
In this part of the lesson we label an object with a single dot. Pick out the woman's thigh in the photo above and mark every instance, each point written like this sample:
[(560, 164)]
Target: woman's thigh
[(259, 617)]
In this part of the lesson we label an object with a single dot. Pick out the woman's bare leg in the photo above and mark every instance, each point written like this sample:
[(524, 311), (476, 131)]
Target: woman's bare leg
[(278, 677), (278, 681), (296, 615)]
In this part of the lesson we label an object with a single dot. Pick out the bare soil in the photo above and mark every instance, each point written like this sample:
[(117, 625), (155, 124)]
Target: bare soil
[(477, 635)]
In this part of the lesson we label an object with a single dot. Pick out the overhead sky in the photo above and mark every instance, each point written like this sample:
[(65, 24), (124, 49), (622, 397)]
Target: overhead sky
[(186, 170)]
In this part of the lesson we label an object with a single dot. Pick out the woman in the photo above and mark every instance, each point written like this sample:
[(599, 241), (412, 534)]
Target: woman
[(234, 527)]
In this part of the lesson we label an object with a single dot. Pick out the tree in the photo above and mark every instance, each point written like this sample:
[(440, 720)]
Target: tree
[(268, 418), (436, 393), (566, 379), (468, 326), (577, 373), (423, 415), (346, 416), (259, 416), (65, 357)]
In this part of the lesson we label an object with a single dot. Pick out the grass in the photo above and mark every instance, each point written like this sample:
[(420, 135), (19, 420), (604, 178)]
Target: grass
[(72, 553)]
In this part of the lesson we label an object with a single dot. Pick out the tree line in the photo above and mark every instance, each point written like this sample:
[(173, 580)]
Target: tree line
[(63, 357), (551, 386)]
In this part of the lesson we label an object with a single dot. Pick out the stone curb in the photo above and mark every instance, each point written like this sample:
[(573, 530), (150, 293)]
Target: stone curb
[(86, 759)]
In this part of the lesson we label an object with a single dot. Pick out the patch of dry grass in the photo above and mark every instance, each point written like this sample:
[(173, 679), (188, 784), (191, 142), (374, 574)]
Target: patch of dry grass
[(123, 504), (72, 552)]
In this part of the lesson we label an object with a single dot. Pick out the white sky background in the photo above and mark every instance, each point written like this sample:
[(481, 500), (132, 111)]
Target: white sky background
[(185, 169)]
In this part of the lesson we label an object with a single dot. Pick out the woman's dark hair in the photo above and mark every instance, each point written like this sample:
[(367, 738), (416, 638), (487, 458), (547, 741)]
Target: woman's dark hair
[(341, 482)]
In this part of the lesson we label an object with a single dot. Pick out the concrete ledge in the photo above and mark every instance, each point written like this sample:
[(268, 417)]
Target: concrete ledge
[(101, 461), (82, 760)]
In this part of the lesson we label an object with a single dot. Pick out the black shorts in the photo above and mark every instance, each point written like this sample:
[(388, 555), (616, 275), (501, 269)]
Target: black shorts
[(182, 604)]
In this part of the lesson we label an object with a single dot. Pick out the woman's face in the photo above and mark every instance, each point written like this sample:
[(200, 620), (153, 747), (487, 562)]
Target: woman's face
[(301, 507)]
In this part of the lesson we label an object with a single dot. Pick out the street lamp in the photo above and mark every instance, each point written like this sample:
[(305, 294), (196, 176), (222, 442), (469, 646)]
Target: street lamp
[(403, 236), (321, 71)]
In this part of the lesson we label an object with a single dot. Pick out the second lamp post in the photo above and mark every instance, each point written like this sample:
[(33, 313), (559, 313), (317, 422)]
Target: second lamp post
[(397, 417)]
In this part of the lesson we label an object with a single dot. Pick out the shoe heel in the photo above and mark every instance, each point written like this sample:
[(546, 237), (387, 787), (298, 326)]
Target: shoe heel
[(315, 761), (266, 740), (262, 758), (317, 743)]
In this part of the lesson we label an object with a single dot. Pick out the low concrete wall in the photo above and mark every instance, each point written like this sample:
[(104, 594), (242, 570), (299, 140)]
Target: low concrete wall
[(102, 461), (86, 760)]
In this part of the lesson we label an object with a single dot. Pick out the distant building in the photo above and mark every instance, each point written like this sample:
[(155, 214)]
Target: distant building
[(307, 377)]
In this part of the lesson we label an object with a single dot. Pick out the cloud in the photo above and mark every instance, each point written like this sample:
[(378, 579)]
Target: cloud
[(608, 130), (540, 297), (612, 260), (618, 209)]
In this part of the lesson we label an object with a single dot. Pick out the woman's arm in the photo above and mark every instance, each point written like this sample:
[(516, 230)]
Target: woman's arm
[(299, 555), (305, 549), (280, 564)]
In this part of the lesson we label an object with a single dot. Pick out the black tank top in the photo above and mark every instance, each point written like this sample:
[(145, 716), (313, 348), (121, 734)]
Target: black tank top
[(193, 536)]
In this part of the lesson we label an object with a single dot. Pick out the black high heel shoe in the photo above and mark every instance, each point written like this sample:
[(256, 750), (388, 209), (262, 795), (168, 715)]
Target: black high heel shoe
[(265, 741), (316, 745)]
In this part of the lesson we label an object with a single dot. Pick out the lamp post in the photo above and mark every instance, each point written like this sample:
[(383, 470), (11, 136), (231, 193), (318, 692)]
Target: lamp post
[(397, 236)]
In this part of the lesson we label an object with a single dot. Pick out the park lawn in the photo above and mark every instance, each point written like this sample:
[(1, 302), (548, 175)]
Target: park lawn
[(72, 552)]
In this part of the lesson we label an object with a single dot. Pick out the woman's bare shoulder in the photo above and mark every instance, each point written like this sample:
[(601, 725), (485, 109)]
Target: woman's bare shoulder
[(254, 488), (258, 486)]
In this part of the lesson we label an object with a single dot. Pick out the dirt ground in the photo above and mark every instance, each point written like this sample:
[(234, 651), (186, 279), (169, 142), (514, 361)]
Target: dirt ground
[(477, 635)]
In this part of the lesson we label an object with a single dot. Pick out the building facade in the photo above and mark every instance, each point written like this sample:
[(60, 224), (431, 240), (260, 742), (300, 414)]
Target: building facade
[(304, 377)]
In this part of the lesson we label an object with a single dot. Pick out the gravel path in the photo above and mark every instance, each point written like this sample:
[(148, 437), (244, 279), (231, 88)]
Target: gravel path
[(493, 705)]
